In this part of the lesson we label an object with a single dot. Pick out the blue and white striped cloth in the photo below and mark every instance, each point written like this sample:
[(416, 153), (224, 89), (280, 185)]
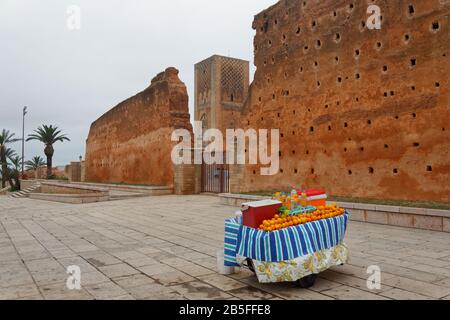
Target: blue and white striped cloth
[(232, 230), (283, 245)]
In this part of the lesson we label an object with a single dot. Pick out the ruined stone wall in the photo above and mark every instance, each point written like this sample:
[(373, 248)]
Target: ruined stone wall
[(132, 142), (362, 113)]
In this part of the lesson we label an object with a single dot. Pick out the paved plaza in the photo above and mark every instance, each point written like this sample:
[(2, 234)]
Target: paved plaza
[(165, 248)]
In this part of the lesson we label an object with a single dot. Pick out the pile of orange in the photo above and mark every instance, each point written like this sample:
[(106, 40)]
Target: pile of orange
[(279, 222)]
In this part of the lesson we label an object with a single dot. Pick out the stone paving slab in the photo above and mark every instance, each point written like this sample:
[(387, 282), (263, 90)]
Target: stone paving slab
[(164, 248)]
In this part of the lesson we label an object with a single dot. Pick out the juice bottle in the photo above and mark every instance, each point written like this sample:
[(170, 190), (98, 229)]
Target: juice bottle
[(304, 200)]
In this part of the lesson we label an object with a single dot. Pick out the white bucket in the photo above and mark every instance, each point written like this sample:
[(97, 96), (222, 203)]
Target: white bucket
[(221, 268)]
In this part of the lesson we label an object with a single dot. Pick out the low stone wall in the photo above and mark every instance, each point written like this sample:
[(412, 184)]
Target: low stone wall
[(55, 188), (71, 198), (418, 218)]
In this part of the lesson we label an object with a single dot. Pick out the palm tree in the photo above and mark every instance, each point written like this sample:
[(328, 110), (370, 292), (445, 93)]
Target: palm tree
[(35, 164), (48, 135), (14, 172), (5, 138)]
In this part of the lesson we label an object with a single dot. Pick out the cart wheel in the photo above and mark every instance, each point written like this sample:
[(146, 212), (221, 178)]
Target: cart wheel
[(307, 282), (250, 265)]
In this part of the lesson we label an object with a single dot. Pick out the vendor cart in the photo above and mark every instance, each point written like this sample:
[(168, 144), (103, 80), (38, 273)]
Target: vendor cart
[(295, 254)]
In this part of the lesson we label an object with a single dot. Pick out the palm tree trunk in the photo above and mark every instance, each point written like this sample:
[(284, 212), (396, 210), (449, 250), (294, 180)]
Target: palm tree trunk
[(49, 167), (4, 167)]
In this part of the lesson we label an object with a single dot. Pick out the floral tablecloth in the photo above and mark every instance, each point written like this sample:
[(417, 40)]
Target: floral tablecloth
[(296, 269)]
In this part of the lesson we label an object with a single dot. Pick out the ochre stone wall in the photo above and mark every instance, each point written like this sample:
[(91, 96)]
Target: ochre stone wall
[(362, 113), (132, 142)]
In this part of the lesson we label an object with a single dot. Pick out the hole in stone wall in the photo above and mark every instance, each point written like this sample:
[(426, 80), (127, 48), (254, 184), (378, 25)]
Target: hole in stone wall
[(316, 64), (345, 149), (334, 14), (371, 170), (362, 149), (281, 170), (329, 128), (357, 76), (299, 29), (318, 83), (307, 152), (339, 79), (430, 168), (337, 37), (357, 53), (385, 69), (293, 151), (416, 144), (406, 38), (350, 172), (273, 97), (279, 115), (385, 94), (435, 26), (369, 122), (345, 125), (414, 115), (411, 10), (295, 171), (397, 117), (413, 88), (326, 106), (318, 44), (437, 84), (336, 60), (362, 26), (314, 24), (392, 93), (312, 171), (379, 45), (306, 48), (395, 171), (260, 99), (386, 146), (413, 62), (351, 6), (311, 129)]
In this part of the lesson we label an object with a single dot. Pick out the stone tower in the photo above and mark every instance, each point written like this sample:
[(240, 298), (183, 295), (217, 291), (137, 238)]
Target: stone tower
[(221, 88)]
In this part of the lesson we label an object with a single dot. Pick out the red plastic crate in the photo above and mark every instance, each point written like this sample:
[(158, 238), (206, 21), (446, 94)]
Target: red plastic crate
[(254, 213)]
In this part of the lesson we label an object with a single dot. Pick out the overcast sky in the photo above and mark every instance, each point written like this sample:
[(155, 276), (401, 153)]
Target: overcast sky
[(69, 77)]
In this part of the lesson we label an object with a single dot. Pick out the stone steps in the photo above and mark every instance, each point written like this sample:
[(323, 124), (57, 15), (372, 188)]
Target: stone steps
[(25, 193)]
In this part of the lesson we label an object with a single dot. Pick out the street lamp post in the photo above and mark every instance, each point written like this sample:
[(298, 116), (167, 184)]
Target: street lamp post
[(23, 136)]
